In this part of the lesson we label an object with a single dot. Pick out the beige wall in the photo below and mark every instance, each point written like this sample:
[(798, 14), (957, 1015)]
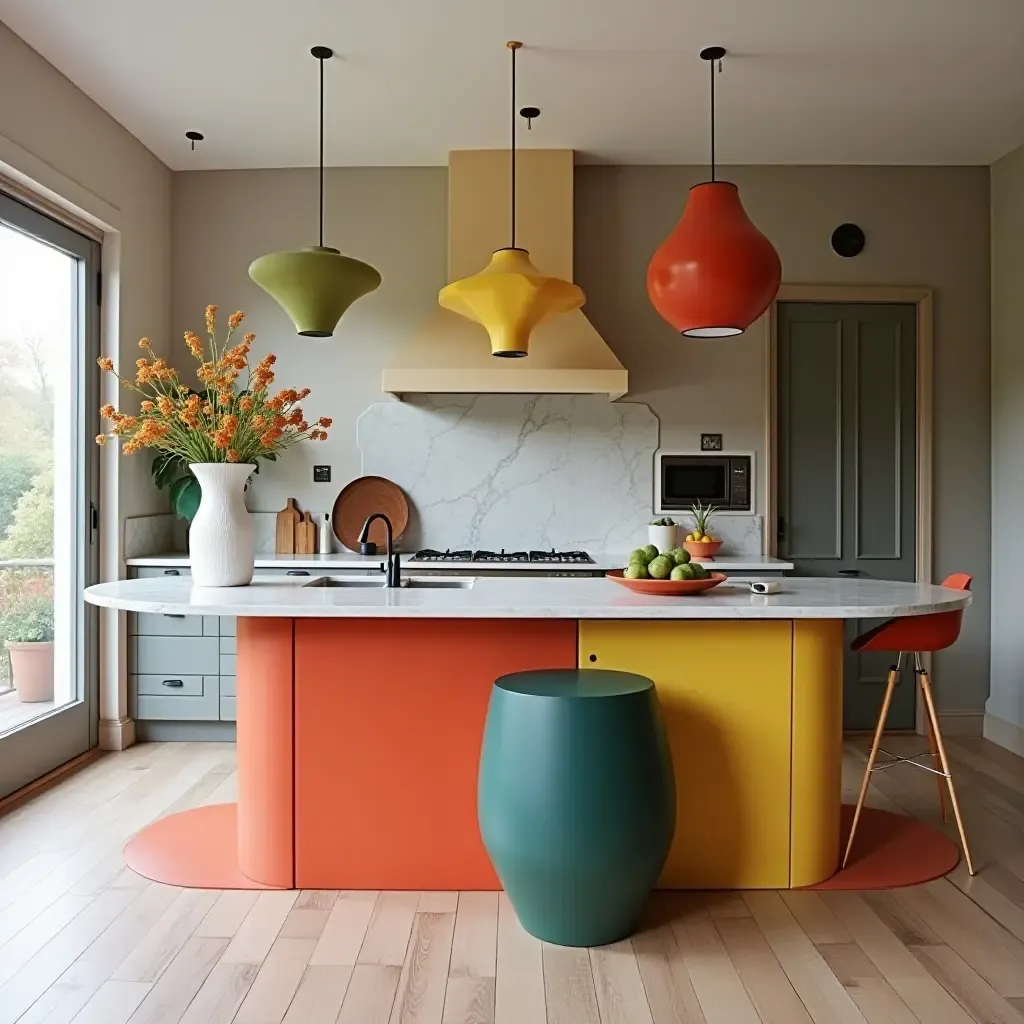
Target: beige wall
[(54, 131), (394, 218), (53, 135), (1007, 699), (924, 226)]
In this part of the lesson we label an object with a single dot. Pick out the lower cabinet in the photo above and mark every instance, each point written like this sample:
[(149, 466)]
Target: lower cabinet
[(181, 669)]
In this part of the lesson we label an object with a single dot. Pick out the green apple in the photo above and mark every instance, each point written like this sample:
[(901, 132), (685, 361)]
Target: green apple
[(652, 552), (640, 556), (681, 555), (660, 567), (636, 571)]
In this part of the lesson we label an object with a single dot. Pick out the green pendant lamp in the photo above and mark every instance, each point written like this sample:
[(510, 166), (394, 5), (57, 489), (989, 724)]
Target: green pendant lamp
[(315, 285)]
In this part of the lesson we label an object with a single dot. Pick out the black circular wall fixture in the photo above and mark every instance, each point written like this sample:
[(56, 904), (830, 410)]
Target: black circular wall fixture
[(848, 240)]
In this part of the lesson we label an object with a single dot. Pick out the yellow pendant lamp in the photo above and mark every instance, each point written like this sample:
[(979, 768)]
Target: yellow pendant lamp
[(510, 296), (315, 285)]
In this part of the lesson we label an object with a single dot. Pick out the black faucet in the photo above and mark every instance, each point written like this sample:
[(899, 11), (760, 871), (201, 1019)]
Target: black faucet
[(394, 566)]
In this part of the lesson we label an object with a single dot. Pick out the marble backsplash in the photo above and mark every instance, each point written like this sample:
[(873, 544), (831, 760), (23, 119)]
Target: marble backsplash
[(512, 471)]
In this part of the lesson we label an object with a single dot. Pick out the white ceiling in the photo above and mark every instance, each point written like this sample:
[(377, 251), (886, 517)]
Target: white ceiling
[(807, 81)]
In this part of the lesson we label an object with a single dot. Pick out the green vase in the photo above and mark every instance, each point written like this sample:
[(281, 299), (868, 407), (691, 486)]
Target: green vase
[(576, 800)]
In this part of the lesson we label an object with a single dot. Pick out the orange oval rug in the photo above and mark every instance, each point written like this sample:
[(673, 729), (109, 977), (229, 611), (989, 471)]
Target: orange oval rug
[(891, 851)]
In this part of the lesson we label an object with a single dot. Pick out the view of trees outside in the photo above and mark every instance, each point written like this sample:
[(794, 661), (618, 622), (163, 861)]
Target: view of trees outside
[(35, 319)]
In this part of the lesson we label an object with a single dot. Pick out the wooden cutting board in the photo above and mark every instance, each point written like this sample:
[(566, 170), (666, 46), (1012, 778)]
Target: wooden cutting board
[(360, 499), (287, 520), (305, 536)]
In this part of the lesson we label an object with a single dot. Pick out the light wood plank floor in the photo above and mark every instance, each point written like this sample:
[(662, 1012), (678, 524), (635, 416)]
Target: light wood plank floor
[(84, 940)]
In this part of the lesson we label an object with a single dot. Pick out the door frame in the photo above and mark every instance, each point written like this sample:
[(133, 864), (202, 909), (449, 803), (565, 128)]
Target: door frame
[(923, 300)]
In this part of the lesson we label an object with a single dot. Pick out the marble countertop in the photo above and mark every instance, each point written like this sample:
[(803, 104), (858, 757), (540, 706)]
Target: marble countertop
[(350, 560), (522, 597)]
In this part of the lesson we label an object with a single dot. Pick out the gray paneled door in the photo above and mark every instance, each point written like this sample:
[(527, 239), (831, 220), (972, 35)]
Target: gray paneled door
[(847, 450)]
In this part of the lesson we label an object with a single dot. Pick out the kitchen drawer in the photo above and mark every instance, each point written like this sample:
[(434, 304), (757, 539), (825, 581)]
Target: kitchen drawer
[(147, 571), (169, 686), (227, 709), (227, 686), (227, 625), (173, 625), (177, 656), (227, 664), (228, 644), (202, 708)]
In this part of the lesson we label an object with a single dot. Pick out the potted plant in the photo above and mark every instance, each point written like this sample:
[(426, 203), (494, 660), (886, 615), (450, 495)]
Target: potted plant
[(700, 543), (663, 534), (27, 629), (218, 432)]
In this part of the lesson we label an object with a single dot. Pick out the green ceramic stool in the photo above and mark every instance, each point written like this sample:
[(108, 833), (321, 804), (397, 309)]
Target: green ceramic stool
[(576, 800)]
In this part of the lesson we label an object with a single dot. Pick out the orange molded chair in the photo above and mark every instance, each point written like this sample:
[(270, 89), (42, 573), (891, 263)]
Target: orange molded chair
[(903, 637)]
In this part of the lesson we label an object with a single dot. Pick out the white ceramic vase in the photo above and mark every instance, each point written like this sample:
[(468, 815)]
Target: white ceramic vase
[(664, 538), (222, 539)]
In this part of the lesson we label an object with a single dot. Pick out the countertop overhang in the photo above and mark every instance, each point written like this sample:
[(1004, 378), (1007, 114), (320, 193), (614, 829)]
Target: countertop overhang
[(524, 598)]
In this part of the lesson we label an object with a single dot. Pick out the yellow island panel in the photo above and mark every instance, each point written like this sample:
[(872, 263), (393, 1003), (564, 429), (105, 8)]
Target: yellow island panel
[(726, 690)]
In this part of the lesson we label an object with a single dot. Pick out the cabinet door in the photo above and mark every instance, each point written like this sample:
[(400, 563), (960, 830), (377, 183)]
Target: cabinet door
[(389, 718), (726, 696)]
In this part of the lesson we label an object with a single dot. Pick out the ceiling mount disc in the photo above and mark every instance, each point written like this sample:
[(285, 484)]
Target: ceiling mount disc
[(712, 53), (322, 52)]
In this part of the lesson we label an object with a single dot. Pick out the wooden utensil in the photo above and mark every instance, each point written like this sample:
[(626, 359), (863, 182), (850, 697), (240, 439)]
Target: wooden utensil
[(360, 499), (287, 519), (305, 535)]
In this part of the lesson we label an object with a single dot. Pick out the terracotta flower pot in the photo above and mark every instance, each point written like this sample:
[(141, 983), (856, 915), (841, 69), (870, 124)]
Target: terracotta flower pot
[(32, 669)]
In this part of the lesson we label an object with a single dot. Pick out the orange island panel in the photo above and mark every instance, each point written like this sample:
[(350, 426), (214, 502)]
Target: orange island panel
[(388, 724)]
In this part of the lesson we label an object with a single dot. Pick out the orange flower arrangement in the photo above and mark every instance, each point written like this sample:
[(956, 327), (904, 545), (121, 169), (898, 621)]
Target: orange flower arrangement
[(221, 423)]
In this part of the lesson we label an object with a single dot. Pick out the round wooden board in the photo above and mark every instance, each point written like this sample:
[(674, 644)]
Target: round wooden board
[(666, 588), (360, 499)]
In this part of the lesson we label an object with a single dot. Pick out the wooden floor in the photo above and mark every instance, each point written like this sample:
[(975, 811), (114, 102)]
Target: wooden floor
[(83, 939)]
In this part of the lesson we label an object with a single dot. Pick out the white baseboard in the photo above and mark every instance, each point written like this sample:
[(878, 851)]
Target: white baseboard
[(1005, 733), (962, 723), (116, 734)]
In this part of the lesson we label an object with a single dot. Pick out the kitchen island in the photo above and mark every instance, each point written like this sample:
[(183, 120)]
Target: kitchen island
[(360, 716)]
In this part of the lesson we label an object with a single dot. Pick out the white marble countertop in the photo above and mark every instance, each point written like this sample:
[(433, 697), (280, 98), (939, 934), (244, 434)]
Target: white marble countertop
[(603, 561), (525, 598)]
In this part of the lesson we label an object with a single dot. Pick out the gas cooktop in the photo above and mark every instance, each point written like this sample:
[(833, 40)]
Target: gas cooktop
[(503, 557)]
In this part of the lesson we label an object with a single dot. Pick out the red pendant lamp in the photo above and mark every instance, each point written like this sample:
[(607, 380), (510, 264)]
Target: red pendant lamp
[(716, 273)]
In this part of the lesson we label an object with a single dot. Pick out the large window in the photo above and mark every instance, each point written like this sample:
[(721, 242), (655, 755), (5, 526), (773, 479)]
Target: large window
[(48, 388)]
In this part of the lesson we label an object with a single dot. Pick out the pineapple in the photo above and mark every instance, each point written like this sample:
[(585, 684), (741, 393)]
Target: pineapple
[(702, 520)]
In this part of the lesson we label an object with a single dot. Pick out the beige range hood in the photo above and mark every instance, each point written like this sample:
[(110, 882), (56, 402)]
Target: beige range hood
[(450, 354)]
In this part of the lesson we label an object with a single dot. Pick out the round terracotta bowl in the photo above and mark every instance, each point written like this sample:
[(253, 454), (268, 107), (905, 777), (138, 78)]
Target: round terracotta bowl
[(702, 549), (666, 588)]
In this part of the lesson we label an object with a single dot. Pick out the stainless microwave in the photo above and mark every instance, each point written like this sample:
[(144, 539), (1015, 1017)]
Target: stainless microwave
[(682, 480)]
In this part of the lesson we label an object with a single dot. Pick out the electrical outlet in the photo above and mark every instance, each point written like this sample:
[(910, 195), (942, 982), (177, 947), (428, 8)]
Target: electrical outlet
[(321, 474)]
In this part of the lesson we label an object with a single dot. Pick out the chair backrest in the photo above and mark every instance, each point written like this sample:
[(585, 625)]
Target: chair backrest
[(933, 632), (957, 581)]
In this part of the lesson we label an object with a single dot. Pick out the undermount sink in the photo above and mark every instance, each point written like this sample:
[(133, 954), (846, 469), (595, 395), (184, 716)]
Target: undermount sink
[(408, 583)]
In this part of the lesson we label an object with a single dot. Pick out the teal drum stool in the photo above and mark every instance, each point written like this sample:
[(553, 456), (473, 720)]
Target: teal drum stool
[(576, 800)]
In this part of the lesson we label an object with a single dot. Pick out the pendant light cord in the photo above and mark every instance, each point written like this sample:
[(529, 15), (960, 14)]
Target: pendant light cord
[(321, 152), (712, 63), (513, 148)]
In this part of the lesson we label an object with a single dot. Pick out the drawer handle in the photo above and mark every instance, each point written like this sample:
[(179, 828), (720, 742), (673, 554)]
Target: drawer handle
[(176, 683), (593, 657), (168, 615), (171, 572), (297, 572)]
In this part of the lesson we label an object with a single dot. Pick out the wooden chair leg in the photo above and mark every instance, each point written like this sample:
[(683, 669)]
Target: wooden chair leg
[(933, 718), (890, 685), (937, 765)]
